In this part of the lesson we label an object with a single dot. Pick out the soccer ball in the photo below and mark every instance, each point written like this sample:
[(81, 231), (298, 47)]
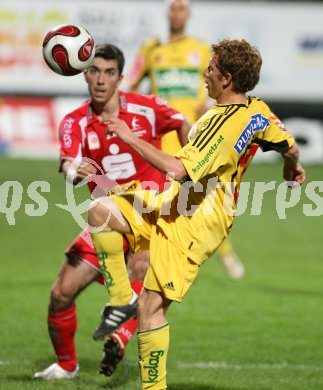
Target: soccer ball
[(68, 49)]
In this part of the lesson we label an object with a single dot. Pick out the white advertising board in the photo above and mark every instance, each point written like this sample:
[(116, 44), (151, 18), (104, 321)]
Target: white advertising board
[(289, 35)]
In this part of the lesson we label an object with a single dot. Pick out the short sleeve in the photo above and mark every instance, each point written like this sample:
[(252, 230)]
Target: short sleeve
[(70, 138), (275, 137), (140, 67)]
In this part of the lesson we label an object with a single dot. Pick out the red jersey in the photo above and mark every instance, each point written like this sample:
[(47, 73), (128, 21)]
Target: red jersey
[(81, 134)]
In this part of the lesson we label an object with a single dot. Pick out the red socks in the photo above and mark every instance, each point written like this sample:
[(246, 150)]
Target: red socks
[(62, 327), (136, 285)]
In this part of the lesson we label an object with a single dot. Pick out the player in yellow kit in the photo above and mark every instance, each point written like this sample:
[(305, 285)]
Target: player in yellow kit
[(175, 70), (184, 225)]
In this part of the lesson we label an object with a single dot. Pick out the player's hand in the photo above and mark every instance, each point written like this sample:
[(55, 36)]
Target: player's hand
[(75, 173), (120, 128), (294, 173), (84, 170)]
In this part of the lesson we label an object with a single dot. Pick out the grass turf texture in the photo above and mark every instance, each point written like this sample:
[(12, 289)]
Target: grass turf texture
[(264, 332)]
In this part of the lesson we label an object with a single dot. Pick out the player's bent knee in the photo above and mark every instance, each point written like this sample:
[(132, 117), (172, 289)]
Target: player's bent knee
[(138, 264), (59, 299), (138, 270), (97, 213), (152, 307), (149, 303)]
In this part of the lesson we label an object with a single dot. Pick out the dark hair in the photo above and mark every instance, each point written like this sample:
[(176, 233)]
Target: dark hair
[(108, 51), (240, 59)]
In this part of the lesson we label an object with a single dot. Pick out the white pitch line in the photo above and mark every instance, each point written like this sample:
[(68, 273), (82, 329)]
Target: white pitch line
[(217, 366), (260, 366)]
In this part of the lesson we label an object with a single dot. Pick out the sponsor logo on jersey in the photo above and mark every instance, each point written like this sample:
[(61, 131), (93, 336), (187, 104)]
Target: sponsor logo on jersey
[(278, 122), (147, 112), (135, 123), (190, 152), (158, 58), (136, 128), (153, 367), (118, 166), (93, 141), (194, 58), (139, 109), (205, 125), (67, 131), (209, 153), (123, 102), (174, 83), (258, 123)]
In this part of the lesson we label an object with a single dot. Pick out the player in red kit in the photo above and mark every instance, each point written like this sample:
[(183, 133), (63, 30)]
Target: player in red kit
[(85, 153)]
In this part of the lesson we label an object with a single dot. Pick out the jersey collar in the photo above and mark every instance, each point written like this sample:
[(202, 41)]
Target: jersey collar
[(92, 116)]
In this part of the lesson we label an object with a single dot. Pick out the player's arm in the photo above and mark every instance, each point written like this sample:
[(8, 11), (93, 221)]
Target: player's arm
[(293, 171), (182, 133), (277, 138), (164, 162), (167, 118), (71, 146), (140, 68), (138, 71)]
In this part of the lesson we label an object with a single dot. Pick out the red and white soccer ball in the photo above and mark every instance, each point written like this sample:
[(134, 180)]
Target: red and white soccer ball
[(68, 49)]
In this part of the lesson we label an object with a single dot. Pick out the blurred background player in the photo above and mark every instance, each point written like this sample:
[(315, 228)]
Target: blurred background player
[(175, 71), (82, 135)]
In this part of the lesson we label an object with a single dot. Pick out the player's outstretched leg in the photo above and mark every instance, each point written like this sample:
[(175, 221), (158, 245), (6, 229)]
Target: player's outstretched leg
[(123, 300), (230, 260), (108, 243)]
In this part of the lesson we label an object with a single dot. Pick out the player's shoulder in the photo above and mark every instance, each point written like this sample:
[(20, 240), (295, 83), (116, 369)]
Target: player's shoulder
[(258, 104), (70, 120), (196, 41), (150, 43), (79, 112)]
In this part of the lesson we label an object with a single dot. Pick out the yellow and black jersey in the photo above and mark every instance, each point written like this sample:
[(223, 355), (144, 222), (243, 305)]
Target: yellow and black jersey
[(175, 71), (220, 147)]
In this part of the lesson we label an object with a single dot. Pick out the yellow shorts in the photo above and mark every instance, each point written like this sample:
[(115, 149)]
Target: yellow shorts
[(170, 271)]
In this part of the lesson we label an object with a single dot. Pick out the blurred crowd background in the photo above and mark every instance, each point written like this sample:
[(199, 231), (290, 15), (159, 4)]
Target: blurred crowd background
[(33, 99)]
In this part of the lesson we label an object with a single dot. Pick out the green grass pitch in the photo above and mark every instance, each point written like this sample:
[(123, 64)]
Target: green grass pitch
[(263, 332)]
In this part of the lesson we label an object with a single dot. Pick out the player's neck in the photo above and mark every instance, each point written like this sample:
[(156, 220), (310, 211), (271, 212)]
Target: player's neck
[(108, 110), (175, 35), (231, 98)]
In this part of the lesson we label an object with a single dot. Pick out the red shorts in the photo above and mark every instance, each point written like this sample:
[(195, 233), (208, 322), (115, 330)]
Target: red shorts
[(83, 248)]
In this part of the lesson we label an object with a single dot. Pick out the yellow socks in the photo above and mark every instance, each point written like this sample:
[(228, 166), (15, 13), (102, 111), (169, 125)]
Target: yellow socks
[(153, 348), (109, 248)]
